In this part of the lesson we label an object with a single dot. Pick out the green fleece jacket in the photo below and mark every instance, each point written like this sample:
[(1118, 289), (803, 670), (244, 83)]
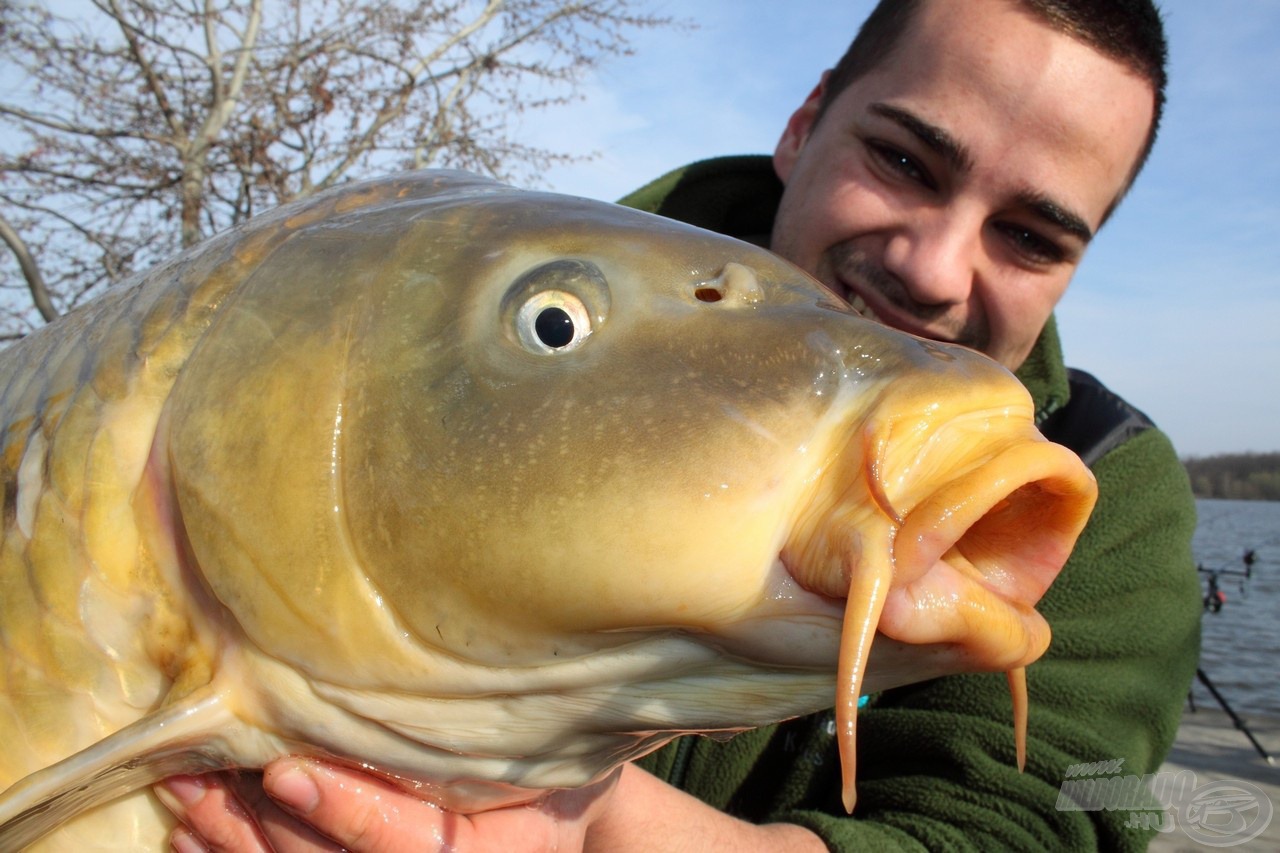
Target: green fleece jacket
[(936, 766)]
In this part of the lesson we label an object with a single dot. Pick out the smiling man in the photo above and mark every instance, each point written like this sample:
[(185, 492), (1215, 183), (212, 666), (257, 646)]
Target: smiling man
[(946, 177), (952, 191), (951, 188)]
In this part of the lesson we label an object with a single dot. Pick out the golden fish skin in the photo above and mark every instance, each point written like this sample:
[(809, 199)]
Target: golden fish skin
[(488, 490)]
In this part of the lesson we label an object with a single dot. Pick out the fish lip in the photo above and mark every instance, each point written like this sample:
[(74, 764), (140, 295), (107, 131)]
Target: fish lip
[(997, 493), (976, 511), (891, 544), (967, 573)]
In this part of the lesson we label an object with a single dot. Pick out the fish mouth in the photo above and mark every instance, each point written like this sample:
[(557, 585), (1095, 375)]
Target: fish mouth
[(947, 560)]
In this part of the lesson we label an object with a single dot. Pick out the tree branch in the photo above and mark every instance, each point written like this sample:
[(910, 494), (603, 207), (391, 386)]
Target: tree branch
[(140, 126), (30, 271), (393, 104), (75, 130), (153, 79)]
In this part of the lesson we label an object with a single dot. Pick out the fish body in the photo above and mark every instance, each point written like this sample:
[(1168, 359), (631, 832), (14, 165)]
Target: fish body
[(487, 491)]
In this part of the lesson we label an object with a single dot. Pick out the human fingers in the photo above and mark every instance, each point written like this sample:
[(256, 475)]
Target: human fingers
[(230, 812), (364, 813), (357, 811), (218, 817)]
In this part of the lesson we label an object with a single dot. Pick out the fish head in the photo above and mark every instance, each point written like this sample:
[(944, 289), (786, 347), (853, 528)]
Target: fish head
[(517, 428), (705, 431)]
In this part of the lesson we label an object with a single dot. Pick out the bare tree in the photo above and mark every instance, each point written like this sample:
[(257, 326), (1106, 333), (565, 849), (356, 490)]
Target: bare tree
[(132, 128)]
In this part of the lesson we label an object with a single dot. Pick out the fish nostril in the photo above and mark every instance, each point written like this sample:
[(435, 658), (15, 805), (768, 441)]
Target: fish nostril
[(736, 285)]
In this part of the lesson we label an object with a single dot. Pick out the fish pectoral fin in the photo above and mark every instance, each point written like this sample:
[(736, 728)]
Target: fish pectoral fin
[(160, 745)]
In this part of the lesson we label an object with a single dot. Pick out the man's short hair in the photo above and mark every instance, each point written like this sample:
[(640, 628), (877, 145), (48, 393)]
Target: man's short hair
[(1128, 31)]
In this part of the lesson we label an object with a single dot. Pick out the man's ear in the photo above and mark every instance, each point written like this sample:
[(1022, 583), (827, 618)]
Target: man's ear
[(797, 131)]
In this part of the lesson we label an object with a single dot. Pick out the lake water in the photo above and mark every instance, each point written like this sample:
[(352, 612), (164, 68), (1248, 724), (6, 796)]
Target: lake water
[(1241, 642)]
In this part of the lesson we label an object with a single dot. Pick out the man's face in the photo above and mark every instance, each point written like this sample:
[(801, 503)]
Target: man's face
[(952, 191)]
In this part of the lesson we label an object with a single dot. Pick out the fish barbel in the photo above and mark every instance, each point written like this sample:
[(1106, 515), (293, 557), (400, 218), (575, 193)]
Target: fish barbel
[(487, 491)]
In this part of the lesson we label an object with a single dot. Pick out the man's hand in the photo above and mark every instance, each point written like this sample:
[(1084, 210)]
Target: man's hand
[(301, 805)]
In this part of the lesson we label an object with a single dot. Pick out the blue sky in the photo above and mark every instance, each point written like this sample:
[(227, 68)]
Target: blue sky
[(1177, 305)]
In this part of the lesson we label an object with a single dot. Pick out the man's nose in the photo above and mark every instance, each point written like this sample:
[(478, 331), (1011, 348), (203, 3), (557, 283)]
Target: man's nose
[(935, 257)]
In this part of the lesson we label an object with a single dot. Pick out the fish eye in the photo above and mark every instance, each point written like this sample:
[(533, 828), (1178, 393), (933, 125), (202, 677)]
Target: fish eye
[(554, 327), (554, 307), (553, 321)]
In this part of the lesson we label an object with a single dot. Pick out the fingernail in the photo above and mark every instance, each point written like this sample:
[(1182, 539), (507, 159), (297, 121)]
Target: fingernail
[(187, 790), (182, 841), (293, 787)]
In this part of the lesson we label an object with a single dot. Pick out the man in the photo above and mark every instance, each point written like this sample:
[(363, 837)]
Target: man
[(946, 177)]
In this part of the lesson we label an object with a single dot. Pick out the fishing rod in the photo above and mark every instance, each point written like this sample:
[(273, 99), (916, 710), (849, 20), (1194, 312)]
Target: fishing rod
[(1214, 599)]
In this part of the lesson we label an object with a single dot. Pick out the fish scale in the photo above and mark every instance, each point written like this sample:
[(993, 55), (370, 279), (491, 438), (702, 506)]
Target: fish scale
[(80, 403), (315, 488)]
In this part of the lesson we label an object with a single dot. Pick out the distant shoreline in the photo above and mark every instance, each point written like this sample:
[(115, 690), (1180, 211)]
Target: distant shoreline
[(1235, 476)]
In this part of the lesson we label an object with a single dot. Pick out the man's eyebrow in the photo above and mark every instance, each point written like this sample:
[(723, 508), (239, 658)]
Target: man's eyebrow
[(931, 135), (1055, 214), (946, 145)]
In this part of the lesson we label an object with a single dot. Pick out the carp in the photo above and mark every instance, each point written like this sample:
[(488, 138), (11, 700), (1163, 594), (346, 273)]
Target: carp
[(488, 491)]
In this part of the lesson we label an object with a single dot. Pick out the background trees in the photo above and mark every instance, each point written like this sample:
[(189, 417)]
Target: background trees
[(1240, 476), (132, 128)]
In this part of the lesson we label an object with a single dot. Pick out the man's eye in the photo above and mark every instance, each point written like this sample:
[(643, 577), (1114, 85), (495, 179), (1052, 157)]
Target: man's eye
[(901, 163), (1032, 246)]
